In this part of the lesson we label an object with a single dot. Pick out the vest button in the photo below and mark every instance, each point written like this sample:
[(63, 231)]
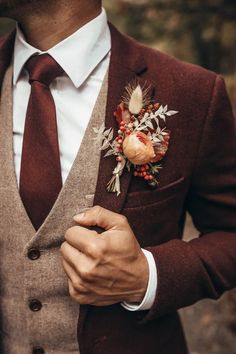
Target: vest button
[(33, 254), (38, 350), (35, 305)]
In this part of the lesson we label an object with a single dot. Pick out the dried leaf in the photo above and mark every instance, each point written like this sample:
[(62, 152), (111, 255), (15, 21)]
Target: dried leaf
[(171, 113), (101, 129), (162, 116), (110, 136), (157, 121), (128, 165), (142, 127), (107, 132), (105, 145), (143, 120), (95, 130), (149, 124), (109, 153)]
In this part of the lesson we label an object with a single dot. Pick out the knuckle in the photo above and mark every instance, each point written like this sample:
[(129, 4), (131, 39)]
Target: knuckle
[(86, 274), (123, 220), (97, 249), (102, 248), (83, 300), (63, 246), (69, 232), (76, 284), (72, 291), (97, 208), (92, 248)]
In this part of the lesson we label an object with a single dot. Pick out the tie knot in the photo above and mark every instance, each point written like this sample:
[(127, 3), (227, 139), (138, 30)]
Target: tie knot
[(43, 68)]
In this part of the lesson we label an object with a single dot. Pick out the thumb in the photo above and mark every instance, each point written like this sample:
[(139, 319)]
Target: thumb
[(98, 216)]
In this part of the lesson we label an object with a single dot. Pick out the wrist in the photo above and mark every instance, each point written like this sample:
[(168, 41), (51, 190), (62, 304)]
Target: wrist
[(141, 280), (150, 294)]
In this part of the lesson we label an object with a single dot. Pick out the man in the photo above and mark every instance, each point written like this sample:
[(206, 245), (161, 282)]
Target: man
[(103, 293)]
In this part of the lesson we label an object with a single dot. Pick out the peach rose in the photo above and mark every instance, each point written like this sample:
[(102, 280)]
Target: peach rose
[(138, 148)]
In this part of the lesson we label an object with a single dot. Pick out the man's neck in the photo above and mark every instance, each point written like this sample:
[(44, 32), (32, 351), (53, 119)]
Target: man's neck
[(44, 29)]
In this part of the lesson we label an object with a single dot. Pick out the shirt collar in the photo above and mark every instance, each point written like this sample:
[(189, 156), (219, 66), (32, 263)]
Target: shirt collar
[(78, 54)]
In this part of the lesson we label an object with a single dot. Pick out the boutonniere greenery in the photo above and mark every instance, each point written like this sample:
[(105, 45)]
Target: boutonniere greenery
[(142, 138)]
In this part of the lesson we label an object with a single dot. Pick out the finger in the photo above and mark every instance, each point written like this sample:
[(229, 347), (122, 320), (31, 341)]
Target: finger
[(82, 299), (77, 283), (86, 241), (71, 255), (100, 217), (83, 266)]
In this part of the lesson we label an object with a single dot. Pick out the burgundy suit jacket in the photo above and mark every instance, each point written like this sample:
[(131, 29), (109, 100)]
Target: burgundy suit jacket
[(198, 176)]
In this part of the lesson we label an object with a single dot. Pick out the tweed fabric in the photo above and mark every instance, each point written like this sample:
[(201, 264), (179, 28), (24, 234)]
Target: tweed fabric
[(54, 327)]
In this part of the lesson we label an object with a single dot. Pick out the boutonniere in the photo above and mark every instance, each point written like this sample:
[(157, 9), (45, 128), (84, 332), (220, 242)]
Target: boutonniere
[(142, 138)]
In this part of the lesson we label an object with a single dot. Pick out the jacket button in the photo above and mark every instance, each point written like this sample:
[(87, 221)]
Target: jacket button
[(35, 305), (33, 254), (38, 350)]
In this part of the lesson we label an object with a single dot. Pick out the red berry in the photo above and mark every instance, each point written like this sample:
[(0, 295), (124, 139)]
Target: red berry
[(146, 178), (128, 132), (119, 158), (122, 128), (135, 173), (151, 177), (122, 123)]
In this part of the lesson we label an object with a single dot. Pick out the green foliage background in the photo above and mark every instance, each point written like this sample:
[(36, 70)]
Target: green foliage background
[(198, 31)]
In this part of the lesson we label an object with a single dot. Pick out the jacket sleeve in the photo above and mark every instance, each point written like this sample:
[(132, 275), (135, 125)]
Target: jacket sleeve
[(204, 267)]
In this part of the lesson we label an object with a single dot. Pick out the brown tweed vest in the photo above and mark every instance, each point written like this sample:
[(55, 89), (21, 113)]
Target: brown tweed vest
[(36, 309)]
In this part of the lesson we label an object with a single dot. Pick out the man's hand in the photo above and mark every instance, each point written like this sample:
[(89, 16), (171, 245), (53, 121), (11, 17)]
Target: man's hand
[(105, 268)]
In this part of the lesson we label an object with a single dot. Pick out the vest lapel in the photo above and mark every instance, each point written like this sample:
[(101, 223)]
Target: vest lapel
[(126, 66), (6, 51)]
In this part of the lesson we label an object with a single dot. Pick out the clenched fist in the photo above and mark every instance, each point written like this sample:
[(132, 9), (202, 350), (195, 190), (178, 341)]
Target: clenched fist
[(104, 268)]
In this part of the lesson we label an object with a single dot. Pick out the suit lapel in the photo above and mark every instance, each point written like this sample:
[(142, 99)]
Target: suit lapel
[(126, 65)]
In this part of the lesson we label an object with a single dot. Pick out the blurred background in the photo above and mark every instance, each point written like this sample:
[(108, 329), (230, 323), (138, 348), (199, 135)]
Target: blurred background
[(201, 32)]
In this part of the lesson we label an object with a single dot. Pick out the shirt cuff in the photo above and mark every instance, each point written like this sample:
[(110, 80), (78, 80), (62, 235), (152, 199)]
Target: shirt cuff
[(150, 295)]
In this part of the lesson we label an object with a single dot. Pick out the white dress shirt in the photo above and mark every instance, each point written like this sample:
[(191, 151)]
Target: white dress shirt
[(85, 58)]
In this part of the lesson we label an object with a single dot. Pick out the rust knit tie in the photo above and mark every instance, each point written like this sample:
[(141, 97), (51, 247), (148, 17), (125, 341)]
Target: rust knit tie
[(40, 176)]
